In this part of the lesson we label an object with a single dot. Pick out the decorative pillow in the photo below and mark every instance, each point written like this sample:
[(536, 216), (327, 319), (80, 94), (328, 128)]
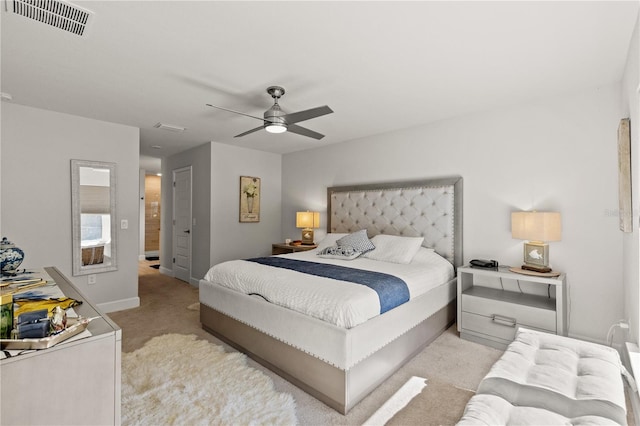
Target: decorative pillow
[(330, 240), (395, 249), (358, 240), (339, 252)]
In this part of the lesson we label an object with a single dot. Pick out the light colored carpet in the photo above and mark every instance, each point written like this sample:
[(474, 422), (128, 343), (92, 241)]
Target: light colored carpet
[(451, 366), (433, 398), (176, 379), (164, 308)]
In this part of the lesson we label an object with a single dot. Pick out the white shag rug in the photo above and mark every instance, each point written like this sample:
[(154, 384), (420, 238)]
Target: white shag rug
[(176, 379)]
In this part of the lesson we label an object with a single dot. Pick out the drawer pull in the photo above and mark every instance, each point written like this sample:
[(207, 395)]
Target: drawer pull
[(499, 319)]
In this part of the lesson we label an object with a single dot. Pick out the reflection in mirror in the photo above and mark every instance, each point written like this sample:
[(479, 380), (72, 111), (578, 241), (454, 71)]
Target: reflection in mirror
[(93, 191)]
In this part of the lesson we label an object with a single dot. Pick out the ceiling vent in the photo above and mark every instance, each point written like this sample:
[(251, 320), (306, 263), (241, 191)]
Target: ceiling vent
[(57, 13)]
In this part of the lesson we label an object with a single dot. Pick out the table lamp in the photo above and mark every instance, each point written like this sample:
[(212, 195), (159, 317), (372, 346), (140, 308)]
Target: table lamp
[(307, 220), (538, 228)]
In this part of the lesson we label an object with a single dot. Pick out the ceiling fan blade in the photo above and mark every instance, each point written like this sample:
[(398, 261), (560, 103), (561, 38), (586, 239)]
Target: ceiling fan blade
[(249, 131), (294, 128), (307, 114), (238, 112)]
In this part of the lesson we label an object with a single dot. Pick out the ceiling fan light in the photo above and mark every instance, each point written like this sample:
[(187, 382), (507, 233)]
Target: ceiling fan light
[(275, 128)]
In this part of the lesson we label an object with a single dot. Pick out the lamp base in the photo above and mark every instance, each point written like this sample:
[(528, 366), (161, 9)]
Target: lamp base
[(307, 237), (541, 269)]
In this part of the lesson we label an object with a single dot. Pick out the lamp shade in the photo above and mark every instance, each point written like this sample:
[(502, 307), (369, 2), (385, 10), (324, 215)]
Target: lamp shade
[(307, 220), (536, 226)]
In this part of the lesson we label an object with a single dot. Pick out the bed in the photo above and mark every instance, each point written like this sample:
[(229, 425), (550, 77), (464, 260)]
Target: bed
[(341, 361)]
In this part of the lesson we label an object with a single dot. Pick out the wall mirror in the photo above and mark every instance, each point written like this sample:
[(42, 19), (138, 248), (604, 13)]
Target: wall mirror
[(93, 209)]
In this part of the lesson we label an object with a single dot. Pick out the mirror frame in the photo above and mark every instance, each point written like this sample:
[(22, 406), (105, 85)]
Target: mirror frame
[(78, 268)]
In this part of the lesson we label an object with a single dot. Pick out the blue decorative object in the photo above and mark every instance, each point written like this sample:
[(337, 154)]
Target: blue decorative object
[(10, 257)]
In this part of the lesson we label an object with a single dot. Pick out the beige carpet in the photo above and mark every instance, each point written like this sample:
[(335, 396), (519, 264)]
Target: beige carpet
[(436, 395), (175, 379), (453, 367), (419, 401)]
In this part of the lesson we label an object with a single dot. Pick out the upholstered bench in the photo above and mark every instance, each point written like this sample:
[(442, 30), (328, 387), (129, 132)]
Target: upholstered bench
[(486, 409), (542, 377)]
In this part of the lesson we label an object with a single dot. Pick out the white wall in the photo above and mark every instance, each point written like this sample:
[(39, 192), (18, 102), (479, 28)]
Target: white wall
[(554, 154), (631, 109), (231, 239), (218, 235), (37, 146)]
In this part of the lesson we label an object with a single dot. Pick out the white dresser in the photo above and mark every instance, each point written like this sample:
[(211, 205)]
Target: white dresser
[(493, 303), (72, 383)]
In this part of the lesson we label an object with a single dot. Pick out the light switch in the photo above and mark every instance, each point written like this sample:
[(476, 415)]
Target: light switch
[(124, 224)]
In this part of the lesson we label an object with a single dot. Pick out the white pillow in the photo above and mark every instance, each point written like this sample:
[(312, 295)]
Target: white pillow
[(424, 256), (393, 248), (330, 240)]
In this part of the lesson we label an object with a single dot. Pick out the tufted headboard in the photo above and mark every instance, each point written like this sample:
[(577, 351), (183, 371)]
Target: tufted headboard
[(430, 208)]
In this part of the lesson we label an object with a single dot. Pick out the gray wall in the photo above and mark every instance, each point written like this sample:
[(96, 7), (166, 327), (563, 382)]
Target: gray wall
[(218, 235), (553, 154), (198, 159), (37, 146), (230, 238)]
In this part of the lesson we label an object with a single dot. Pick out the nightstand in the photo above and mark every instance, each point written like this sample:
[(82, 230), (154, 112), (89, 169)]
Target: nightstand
[(492, 303), (283, 248)]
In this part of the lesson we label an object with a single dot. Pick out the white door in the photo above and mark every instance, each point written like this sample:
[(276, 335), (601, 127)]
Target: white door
[(182, 223)]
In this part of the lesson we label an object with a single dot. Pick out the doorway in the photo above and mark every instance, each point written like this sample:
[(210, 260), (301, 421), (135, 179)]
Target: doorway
[(152, 216), (182, 224)]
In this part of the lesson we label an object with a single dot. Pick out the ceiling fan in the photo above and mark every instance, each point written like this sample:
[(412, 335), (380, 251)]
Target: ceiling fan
[(277, 121)]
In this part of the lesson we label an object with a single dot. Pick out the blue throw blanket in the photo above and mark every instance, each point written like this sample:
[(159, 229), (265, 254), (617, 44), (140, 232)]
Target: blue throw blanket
[(392, 291)]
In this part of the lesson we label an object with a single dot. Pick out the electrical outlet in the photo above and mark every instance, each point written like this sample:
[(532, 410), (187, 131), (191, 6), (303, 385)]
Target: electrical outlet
[(91, 279)]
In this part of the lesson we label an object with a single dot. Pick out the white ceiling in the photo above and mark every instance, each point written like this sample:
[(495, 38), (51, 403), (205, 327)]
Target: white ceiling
[(380, 66)]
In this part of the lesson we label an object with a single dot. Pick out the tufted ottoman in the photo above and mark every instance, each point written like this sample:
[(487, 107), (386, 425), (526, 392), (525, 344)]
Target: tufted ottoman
[(486, 409), (542, 376)]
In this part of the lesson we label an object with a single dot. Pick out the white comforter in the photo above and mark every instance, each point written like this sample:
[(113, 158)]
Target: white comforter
[(341, 303)]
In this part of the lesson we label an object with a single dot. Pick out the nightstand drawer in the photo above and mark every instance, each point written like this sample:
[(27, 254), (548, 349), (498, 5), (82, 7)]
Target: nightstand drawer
[(486, 326), (499, 329), (504, 313)]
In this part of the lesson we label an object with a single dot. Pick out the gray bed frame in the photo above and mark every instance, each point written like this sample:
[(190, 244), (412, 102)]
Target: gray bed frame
[(397, 208)]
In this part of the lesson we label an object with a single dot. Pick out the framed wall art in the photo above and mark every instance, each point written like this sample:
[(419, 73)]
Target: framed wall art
[(250, 194), (624, 176)]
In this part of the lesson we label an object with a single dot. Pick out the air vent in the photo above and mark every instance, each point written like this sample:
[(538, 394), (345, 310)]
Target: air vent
[(59, 14)]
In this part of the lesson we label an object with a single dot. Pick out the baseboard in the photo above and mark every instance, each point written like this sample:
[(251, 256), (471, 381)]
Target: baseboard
[(119, 305), (631, 360), (166, 271), (141, 257), (169, 272)]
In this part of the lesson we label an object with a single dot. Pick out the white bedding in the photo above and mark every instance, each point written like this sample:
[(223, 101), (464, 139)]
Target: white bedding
[(340, 303)]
